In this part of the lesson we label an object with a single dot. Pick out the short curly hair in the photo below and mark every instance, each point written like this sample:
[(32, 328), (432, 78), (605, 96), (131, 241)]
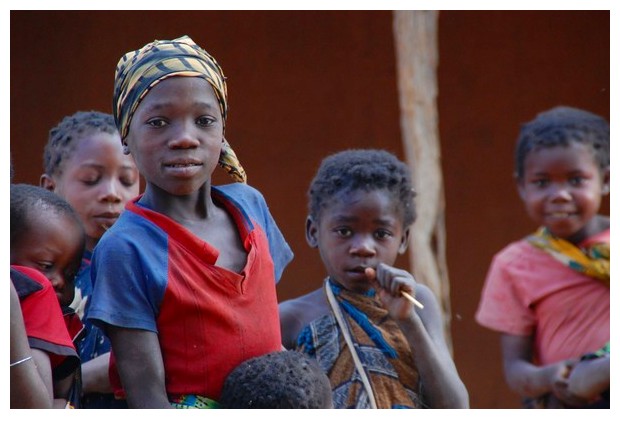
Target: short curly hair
[(27, 199), (562, 126), (64, 137), (284, 379), (366, 169)]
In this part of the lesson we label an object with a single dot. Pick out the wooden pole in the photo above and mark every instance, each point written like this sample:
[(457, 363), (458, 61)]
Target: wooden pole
[(415, 36)]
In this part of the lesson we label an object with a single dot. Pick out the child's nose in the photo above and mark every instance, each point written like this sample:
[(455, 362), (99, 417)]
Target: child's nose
[(363, 245), (184, 137), (63, 287), (560, 193), (111, 191), (58, 281)]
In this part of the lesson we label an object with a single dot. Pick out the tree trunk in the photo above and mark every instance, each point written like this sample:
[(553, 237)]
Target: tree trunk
[(415, 35)]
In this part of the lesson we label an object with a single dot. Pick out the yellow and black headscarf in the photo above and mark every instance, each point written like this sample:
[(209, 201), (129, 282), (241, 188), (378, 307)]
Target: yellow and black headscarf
[(139, 71)]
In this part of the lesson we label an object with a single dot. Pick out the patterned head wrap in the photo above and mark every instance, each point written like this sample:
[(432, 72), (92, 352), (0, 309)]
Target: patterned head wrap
[(139, 71)]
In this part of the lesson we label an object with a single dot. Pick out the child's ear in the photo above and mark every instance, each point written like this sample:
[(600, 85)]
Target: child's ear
[(520, 188), (126, 150), (606, 181), (404, 241), (47, 182), (312, 229)]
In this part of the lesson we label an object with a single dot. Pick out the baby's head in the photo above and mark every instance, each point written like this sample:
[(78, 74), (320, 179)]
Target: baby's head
[(47, 235), (286, 379), (84, 163), (563, 127), (562, 171), (362, 169)]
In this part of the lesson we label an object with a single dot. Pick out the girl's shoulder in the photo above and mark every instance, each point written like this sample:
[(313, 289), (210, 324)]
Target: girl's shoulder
[(239, 191), (244, 196), (297, 313), (313, 303)]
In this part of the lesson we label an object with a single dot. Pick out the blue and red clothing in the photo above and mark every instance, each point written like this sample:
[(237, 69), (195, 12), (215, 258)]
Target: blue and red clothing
[(94, 342), (43, 320), (151, 273)]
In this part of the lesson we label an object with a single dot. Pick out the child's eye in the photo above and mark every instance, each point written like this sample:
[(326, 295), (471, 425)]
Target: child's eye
[(343, 232), (91, 181), (576, 181), (540, 183), (128, 181), (382, 234), (156, 122), (45, 266), (204, 121)]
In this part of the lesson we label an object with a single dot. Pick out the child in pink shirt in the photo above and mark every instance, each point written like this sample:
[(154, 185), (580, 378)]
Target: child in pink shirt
[(548, 294)]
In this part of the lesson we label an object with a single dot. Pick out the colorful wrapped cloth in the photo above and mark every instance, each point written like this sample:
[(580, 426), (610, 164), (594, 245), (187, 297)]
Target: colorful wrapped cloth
[(603, 351), (591, 260), (192, 401), (382, 349), (139, 71)]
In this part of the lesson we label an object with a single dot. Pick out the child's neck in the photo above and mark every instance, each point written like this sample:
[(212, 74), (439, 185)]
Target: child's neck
[(196, 206), (362, 290), (595, 226)]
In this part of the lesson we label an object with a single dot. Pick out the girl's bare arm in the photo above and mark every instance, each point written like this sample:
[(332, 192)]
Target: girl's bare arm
[(140, 366)]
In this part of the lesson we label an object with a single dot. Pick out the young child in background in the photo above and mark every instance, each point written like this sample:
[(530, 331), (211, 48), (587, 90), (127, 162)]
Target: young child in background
[(84, 163), (41, 348), (548, 294), (40, 342), (284, 379), (184, 283), (47, 236), (377, 349)]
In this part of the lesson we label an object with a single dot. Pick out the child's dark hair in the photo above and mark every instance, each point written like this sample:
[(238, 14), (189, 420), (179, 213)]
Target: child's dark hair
[(26, 199), (64, 136), (562, 126), (285, 379), (366, 169)]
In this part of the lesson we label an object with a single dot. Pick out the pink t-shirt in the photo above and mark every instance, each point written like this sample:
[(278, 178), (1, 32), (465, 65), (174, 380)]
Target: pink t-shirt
[(528, 292)]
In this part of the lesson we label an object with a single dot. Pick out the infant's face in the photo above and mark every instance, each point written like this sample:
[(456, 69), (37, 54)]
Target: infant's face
[(53, 245)]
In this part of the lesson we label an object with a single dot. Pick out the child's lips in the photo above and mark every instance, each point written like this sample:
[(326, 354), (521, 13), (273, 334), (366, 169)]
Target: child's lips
[(560, 214), (359, 271), (184, 168), (107, 219), (183, 163), (108, 215)]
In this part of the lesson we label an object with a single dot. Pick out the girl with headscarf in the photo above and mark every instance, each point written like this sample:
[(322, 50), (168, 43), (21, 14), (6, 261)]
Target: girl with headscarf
[(184, 282)]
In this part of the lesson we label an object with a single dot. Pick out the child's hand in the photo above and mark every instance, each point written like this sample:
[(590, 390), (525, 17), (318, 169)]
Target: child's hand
[(589, 378), (560, 385), (390, 282)]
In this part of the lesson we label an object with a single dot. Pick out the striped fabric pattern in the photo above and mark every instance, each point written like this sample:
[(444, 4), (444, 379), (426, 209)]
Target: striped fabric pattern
[(388, 362)]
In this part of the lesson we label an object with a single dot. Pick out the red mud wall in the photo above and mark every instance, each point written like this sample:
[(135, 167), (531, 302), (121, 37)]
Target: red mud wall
[(303, 85)]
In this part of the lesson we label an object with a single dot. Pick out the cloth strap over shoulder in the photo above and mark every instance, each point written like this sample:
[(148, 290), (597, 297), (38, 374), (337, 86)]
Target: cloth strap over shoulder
[(347, 337), (591, 260)]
